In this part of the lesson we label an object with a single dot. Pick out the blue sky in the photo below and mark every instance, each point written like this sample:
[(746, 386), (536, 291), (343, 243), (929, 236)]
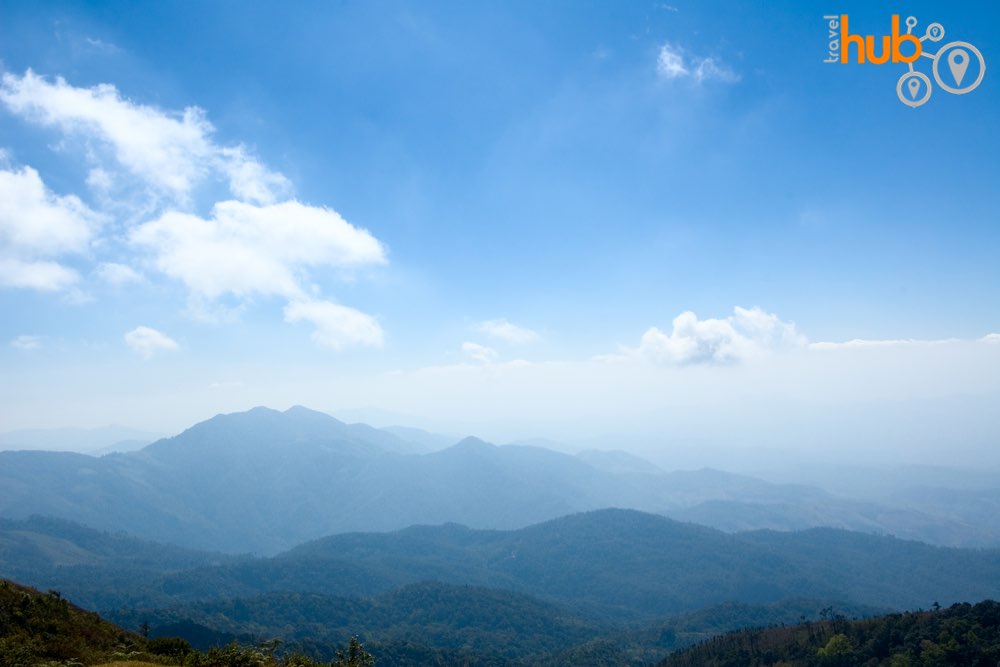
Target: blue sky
[(487, 216)]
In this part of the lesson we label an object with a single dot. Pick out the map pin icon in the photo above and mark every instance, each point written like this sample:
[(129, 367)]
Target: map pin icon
[(958, 62), (914, 86)]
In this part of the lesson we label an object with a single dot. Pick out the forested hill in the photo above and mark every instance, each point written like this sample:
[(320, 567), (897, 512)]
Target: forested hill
[(607, 564), (37, 627), (45, 629), (964, 634)]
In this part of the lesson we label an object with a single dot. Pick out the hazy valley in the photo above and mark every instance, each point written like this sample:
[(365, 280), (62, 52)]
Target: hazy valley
[(294, 525)]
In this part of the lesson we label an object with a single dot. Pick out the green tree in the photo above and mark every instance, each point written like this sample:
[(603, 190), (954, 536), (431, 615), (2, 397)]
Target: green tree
[(838, 651), (838, 645), (900, 660), (356, 656)]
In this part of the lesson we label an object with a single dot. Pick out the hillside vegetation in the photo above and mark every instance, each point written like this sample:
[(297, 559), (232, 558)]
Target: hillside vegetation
[(37, 627), (43, 628), (963, 635)]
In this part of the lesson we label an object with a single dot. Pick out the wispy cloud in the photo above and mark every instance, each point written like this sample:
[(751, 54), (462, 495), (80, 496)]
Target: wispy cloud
[(26, 342), (506, 331), (337, 326), (480, 353), (117, 274), (673, 63), (101, 46), (146, 341)]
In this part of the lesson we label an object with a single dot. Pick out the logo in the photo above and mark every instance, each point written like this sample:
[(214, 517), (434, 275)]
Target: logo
[(965, 64)]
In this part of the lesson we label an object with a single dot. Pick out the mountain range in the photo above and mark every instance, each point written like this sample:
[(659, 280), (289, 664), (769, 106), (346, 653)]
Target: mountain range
[(297, 526), (263, 481)]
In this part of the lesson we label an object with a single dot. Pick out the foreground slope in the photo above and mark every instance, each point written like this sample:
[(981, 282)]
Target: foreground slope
[(36, 627)]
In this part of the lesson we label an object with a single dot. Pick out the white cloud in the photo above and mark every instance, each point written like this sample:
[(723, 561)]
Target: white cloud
[(38, 275), (26, 342), (337, 326), (746, 333), (993, 338), (259, 243), (100, 180), (171, 152), (505, 331), (36, 228), (707, 69), (147, 342), (117, 274), (251, 181), (101, 45), (244, 249), (671, 63), (480, 353)]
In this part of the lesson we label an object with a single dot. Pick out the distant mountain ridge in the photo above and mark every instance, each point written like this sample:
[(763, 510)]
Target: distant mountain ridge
[(262, 481), (93, 441), (605, 564)]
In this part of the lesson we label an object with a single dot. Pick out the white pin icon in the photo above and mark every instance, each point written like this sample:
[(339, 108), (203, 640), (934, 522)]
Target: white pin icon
[(958, 62), (914, 86)]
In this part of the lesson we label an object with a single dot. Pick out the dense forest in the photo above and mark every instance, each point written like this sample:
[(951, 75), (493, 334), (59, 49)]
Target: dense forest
[(607, 565), (964, 634), (44, 628)]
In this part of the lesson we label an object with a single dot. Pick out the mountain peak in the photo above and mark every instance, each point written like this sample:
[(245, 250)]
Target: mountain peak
[(259, 428), (302, 412), (473, 444)]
